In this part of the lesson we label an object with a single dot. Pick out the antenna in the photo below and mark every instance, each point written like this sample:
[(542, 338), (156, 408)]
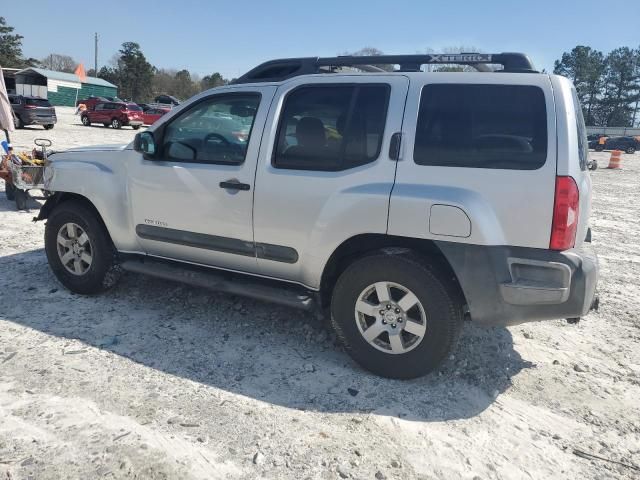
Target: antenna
[(95, 57)]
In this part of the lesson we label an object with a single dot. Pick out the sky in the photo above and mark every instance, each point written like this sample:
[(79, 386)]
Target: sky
[(232, 37)]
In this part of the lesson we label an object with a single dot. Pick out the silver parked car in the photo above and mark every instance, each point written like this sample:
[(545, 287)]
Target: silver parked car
[(397, 202)]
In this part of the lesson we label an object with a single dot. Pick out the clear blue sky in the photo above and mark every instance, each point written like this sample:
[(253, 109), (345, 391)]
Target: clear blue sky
[(233, 36)]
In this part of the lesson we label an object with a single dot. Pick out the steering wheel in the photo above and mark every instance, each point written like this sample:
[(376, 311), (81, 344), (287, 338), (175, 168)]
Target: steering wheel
[(217, 136)]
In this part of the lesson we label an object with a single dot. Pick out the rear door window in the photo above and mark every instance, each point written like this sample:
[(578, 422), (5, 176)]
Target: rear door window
[(331, 127), (481, 126)]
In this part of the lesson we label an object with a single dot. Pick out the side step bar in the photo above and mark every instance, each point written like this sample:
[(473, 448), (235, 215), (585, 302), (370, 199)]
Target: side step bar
[(234, 284)]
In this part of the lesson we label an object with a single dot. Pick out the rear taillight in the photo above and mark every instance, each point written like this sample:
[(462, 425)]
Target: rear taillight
[(565, 214)]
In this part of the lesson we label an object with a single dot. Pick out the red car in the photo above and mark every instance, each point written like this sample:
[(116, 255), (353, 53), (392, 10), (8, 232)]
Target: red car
[(153, 114), (116, 114)]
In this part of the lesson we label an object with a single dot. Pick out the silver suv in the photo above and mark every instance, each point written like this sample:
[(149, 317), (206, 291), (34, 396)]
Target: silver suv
[(398, 202)]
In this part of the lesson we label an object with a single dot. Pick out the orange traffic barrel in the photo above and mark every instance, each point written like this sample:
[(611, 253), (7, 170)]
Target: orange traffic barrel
[(616, 159)]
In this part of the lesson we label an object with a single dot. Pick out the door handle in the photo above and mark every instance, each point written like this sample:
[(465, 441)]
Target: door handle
[(394, 146), (234, 184)]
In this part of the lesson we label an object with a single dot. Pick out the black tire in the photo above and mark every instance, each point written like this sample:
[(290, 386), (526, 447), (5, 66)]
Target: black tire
[(48, 127), (22, 197), (115, 123), (18, 122), (135, 127), (443, 313), (85, 121), (630, 150), (599, 148), (104, 271), (9, 190)]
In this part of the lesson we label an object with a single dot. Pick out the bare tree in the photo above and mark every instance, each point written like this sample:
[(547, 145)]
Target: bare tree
[(58, 62)]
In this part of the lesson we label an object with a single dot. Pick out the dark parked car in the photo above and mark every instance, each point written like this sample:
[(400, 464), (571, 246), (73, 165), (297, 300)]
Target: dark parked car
[(626, 144), (32, 111), (167, 100), (116, 114)]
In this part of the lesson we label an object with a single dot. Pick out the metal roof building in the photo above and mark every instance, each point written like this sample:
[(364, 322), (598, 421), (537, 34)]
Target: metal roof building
[(61, 89)]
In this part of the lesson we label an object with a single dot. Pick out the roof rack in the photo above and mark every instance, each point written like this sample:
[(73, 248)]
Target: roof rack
[(282, 69)]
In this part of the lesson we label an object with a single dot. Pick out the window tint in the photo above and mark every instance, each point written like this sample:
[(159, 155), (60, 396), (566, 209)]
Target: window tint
[(14, 100), (216, 130), (581, 129), (331, 127), (481, 126), (132, 107), (100, 106)]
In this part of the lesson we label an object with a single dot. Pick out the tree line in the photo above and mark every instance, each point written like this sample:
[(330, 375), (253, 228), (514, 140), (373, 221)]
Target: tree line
[(608, 86)]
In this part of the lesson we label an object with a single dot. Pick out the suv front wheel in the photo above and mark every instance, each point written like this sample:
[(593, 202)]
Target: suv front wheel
[(631, 150), (85, 121), (79, 249), (395, 314)]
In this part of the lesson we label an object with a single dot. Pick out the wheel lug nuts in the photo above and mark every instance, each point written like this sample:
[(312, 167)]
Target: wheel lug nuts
[(393, 325), (381, 312), (397, 310), (384, 322), (399, 320), (388, 307)]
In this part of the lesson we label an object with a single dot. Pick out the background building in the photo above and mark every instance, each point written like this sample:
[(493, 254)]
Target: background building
[(61, 89)]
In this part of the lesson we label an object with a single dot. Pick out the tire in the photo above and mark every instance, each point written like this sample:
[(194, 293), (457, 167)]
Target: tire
[(115, 123), (48, 127), (96, 276), (9, 190), (136, 127), (441, 314), (630, 150), (85, 121), (18, 122), (21, 197), (599, 148)]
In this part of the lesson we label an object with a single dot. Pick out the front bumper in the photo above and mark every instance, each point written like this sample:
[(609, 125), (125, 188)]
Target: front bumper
[(512, 285)]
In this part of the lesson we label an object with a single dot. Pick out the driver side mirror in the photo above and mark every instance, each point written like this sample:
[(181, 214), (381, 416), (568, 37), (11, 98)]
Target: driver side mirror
[(145, 143)]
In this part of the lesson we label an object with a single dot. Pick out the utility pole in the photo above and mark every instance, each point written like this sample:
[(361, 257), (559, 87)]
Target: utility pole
[(95, 63)]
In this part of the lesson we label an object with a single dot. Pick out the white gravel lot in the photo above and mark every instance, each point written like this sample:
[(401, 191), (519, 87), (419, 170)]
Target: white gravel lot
[(157, 380)]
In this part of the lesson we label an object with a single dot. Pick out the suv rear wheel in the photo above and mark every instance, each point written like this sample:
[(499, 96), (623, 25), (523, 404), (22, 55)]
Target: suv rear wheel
[(115, 123), (630, 150), (48, 126), (79, 249), (395, 315)]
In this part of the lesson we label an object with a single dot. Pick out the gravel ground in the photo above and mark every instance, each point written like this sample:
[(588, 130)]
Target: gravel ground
[(157, 380)]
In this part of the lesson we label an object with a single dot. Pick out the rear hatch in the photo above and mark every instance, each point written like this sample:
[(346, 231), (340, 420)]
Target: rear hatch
[(39, 108), (133, 112)]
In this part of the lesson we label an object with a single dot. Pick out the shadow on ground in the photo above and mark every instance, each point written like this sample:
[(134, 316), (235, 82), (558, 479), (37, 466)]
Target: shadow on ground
[(250, 348)]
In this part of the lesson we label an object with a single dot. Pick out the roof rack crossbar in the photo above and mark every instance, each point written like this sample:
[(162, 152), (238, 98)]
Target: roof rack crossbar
[(282, 69)]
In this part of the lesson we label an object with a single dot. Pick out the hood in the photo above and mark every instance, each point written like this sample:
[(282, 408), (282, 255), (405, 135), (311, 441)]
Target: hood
[(96, 148)]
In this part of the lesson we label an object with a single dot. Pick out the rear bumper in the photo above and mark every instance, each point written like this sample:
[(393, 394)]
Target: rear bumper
[(39, 120), (512, 285), (133, 123)]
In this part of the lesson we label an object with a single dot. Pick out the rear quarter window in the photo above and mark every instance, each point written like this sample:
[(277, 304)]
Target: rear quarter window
[(581, 131), (481, 126)]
